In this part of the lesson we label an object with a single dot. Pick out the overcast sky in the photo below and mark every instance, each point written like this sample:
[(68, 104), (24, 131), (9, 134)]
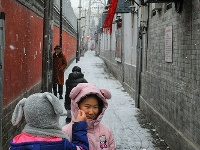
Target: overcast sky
[(75, 3)]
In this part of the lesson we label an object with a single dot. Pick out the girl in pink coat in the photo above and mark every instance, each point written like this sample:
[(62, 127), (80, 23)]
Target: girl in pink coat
[(92, 101)]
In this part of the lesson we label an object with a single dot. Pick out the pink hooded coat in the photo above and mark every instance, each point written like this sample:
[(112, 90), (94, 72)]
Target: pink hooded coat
[(100, 136)]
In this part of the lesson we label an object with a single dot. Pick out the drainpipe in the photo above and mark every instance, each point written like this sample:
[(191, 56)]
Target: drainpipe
[(79, 31), (138, 69), (77, 46), (2, 48), (138, 66), (61, 23), (142, 40)]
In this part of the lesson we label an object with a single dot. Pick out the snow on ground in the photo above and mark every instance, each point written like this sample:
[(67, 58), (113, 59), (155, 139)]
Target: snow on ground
[(121, 113)]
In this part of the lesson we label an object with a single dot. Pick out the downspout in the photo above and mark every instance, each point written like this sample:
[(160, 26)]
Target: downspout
[(79, 31), (122, 50), (77, 46), (2, 48), (61, 20), (138, 67), (140, 48)]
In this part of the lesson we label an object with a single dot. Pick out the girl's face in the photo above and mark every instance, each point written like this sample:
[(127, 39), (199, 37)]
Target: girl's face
[(90, 107)]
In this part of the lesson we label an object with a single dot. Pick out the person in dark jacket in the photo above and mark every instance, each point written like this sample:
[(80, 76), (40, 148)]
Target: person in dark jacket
[(73, 80), (59, 65), (42, 130)]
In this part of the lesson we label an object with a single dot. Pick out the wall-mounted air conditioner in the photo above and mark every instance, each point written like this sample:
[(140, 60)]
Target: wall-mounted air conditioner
[(156, 6), (160, 1), (178, 3)]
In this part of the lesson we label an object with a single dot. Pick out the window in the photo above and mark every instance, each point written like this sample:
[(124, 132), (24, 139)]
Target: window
[(168, 6), (153, 13)]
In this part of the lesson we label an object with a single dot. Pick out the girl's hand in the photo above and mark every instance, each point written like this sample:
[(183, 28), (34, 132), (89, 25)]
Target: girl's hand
[(81, 116)]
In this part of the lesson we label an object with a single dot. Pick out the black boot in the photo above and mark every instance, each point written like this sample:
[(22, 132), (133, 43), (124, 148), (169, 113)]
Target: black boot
[(60, 91), (68, 120), (55, 89)]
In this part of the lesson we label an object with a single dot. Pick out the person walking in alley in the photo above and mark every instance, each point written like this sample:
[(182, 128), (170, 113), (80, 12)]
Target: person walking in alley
[(74, 78), (93, 101), (59, 65), (42, 130)]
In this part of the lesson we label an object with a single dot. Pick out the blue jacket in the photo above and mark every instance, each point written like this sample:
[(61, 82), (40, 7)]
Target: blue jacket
[(79, 141)]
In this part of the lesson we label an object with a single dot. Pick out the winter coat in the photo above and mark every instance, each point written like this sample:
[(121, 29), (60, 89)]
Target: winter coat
[(100, 136), (73, 80), (59, 65), (31, 142)]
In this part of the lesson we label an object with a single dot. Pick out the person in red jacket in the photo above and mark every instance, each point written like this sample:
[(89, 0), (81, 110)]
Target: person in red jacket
[(42, 130), (59, 65)]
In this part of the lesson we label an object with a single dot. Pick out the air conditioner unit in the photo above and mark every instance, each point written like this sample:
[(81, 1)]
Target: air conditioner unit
[(160, 1), (156, 6)]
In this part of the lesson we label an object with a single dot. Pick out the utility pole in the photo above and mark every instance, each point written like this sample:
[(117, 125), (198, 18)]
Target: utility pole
[(88, 21), (61, 23), (2, 47), (47, 46), (84, 33), (78, 29), (77, 51), (79, 7)]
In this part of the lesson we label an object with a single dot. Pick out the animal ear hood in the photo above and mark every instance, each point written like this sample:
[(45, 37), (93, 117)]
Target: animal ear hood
[(75, 92), (83, 89), (40, 109), (18, 112), (54, 102), (106, 93)]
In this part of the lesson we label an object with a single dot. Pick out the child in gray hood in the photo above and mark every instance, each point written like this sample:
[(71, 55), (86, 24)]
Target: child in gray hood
[(42, 130)]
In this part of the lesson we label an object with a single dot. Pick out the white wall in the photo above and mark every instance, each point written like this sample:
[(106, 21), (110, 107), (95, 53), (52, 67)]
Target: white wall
[(113, 38), (130, 39), (134, 40), (127, 38), (68, 11)]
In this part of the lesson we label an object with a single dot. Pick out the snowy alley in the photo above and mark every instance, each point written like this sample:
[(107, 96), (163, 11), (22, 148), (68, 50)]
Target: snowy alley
[(121, 113)]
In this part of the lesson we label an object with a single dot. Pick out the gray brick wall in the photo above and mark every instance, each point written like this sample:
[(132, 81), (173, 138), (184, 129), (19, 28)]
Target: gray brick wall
[(124, 73), (170, 91), (129, 83), (115, 67)]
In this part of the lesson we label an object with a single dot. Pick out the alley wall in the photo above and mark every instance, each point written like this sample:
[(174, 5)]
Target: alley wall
[(119, 51), (23, 56), (168, 90)]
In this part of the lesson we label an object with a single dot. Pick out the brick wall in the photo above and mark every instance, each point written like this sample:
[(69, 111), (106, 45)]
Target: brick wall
[(23, 57), (115, 67), (170, 91)]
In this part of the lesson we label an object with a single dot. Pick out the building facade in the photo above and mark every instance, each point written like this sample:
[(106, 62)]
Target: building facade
[(155, 55), (21, 49)]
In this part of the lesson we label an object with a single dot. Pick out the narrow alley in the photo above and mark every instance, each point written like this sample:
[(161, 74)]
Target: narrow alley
[(145, 52), (121, 115)]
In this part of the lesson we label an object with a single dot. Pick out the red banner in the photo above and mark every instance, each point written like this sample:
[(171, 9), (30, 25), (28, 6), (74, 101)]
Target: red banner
[(107, 26)]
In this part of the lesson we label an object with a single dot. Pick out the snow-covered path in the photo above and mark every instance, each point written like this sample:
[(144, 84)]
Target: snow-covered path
[(121, 113)]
